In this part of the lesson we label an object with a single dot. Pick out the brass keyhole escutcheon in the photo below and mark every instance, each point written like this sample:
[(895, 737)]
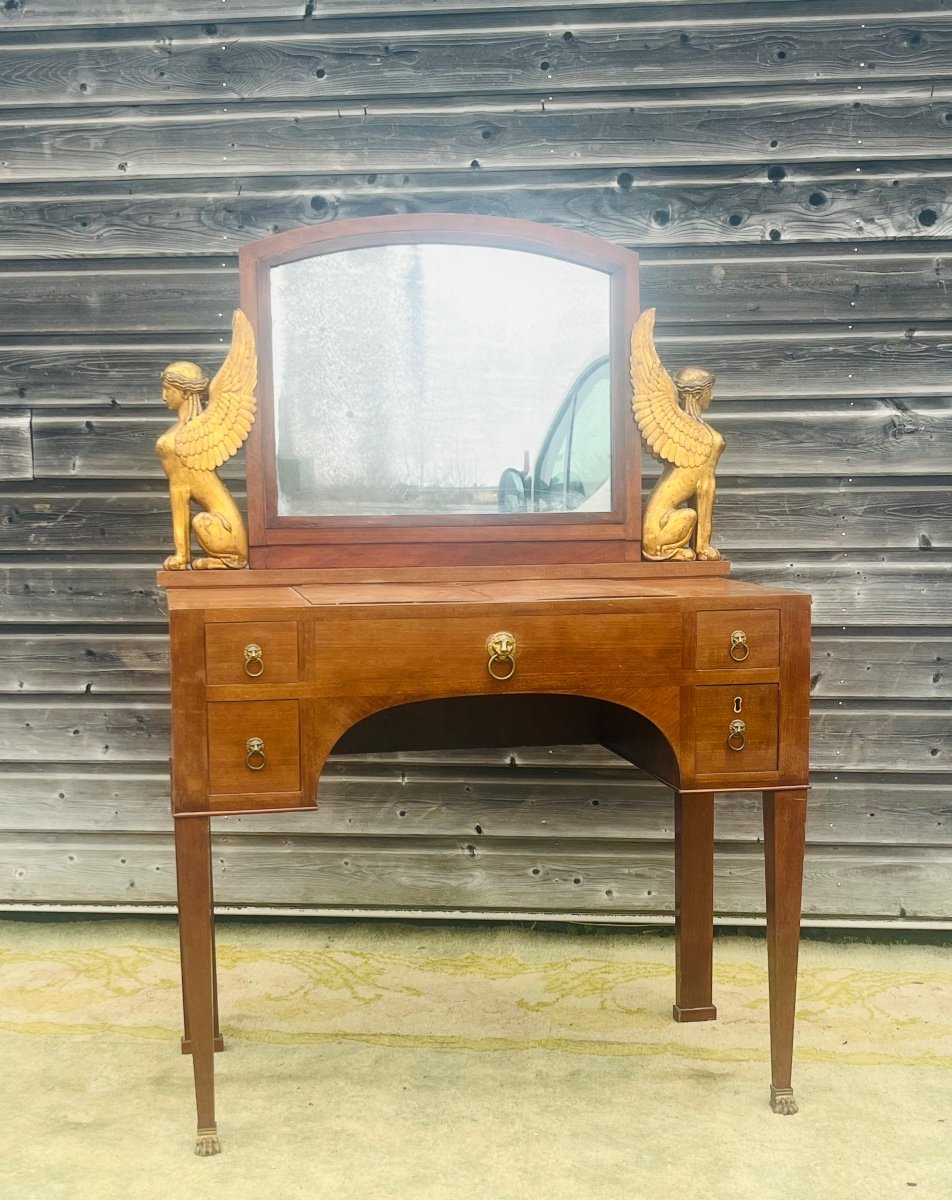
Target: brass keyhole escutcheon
[(738, 704), (739, 650), (254, 754), (501, 648), (254, 661), (737, 737)]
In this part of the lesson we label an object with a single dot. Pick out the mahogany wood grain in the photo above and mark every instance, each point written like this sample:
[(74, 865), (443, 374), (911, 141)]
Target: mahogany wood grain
[(642, 741), (760, 626), (693, 906), (784, 832), (473, 592), (439, 655), (372, 661), (794, 732), (282, 577), (196, 917), (189, 713), (188, 595), (225, 644), (230, 726), (716, 708), (461, 550)]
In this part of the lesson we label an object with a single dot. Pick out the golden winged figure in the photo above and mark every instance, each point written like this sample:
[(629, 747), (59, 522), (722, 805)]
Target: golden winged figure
[(668, 412), (213, 421)]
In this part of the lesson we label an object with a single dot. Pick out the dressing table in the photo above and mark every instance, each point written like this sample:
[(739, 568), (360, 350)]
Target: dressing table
[(445, 551)]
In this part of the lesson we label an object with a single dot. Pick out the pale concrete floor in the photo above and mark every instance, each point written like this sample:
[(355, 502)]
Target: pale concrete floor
[(397, 1061)]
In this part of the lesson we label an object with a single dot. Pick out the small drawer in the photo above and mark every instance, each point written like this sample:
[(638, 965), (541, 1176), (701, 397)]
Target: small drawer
[(251, 652), (254, 746), (735, 728), (738, 639)]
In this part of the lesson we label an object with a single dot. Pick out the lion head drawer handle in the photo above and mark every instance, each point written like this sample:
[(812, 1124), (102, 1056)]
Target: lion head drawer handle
[(254, 661), (739, 650), (254, 754), (737, 738), (502, 655)]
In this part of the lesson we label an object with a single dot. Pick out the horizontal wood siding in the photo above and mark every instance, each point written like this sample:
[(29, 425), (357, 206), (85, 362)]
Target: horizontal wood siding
[(749, 518), (815, 203), (16, 450), (783, 171), (398, 55), (893, 436), (741, 286)]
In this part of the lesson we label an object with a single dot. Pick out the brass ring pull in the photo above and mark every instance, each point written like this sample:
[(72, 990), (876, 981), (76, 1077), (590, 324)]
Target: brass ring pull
[(254, 754), (502, 656), (737, 738), (739, 643), (253, 659)]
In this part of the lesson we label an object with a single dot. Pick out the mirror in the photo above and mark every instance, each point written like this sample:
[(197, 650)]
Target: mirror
[(430, 379)]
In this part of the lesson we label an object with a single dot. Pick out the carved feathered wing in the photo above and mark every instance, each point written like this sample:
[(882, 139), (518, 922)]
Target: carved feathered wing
[(216, 434), (670, 433)]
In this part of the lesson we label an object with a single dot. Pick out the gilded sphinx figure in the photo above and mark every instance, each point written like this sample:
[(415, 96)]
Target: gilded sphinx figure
[(214, 419), (669, 413)]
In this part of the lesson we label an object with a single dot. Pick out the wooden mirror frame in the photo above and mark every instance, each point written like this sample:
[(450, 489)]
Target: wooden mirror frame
[(446, 540)]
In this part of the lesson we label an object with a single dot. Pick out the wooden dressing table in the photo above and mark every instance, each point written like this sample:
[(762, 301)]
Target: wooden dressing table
[(539, 626)]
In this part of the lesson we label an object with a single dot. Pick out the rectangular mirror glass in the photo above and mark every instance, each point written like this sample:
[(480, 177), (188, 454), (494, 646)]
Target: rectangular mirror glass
[(440, 379)]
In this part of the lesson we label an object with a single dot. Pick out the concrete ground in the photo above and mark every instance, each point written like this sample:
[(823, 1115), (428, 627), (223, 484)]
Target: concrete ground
[(424, 1061)]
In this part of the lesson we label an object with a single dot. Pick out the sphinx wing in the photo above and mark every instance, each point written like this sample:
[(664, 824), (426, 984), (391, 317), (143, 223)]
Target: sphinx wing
[(216, 434), (670, 433)]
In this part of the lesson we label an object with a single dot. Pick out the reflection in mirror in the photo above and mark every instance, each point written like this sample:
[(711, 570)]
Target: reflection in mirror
[(438, 379)]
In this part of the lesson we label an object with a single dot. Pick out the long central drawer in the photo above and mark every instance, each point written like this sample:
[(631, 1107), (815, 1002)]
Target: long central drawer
[(554, 653)]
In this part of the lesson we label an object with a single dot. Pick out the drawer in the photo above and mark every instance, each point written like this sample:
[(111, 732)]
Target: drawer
[(755, 747), (738, 639), (234, 766), (251, 651), (552, 653)]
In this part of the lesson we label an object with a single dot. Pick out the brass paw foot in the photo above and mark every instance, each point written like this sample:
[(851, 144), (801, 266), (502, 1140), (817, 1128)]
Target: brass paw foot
[(207, 1143), (782, 1101)]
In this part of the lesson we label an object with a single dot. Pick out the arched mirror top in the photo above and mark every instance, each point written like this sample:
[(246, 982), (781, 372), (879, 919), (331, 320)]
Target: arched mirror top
[(439, 388)]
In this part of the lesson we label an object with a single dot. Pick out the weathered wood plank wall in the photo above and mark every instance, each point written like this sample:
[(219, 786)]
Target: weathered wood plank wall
[(783, 169)]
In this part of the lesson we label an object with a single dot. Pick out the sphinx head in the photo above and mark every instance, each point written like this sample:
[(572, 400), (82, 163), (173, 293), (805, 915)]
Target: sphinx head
[(184, 383), (695, 387)]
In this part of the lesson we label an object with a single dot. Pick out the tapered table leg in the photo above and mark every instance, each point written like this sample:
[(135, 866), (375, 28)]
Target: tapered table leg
[(784, 834), (694, 905), (196, 937), (219, 1040)]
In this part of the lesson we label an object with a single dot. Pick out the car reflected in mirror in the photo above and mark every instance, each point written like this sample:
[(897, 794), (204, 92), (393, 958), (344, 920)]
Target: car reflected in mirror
[(572, 470), (514, 491)]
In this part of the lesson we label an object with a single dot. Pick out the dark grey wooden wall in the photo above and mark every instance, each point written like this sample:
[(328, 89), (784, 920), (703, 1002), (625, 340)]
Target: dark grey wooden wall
[(784, 171)]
